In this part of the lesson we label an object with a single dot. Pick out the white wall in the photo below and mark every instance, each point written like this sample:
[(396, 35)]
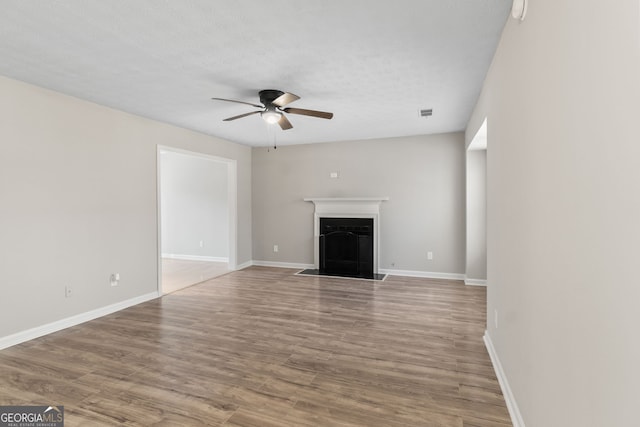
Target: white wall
[(78, 186), (194, 206), (563, 102), (423, 176), (476, 261)]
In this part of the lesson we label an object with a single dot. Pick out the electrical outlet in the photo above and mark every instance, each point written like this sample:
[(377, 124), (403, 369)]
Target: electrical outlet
[(275, 248), (334, 175), (114, 279), (68, 291), (202, 243), (429, 255), (495, 317)]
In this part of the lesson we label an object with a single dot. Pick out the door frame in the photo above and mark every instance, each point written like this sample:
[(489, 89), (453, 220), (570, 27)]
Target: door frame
[(232, 203)]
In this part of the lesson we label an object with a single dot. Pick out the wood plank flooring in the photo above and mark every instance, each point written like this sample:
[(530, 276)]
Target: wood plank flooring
[(264, 347), (178, 273)]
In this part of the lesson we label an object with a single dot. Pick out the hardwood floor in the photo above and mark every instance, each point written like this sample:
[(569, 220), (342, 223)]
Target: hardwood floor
[(178, 274), (264, 347)]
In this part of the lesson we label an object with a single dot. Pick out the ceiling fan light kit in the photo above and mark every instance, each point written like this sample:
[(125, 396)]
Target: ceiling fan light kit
[(272, 109), (271, 116)]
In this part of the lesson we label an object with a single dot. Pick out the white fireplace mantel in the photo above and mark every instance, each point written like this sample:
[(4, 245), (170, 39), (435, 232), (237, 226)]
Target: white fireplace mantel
[(347, 207), (353, 205)]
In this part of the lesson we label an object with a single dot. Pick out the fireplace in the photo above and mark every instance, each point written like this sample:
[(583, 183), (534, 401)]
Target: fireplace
[(346, 247), (358, 260)]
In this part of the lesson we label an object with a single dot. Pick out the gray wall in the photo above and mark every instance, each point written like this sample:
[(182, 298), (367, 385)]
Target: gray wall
[(78, 185), (423, 176), (476, 215), (562, 100), (194, 206)]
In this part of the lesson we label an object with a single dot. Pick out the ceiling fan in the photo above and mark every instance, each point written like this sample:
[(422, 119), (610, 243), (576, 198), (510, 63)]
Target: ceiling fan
[(272, 109)]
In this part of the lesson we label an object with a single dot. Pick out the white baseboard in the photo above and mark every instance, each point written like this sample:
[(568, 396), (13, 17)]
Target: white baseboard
[(390, 272), (196, 258), (282, 264), (59, 325), (423, 274), (512, 406), (475, 282), (244, 265)]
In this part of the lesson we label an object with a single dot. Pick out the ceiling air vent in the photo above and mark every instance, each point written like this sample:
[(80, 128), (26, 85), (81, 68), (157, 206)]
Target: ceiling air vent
[(426, 113)]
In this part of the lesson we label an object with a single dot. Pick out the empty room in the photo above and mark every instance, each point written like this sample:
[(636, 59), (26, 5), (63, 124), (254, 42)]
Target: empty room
[(335, 213)]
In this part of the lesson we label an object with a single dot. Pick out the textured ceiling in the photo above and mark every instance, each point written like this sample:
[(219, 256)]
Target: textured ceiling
[(374, 64)]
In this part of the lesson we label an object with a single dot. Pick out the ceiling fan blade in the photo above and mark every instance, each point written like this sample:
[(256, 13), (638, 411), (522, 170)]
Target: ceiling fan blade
[(284, 123), (239, 102), (284, 99), (312, 113), (241, 116)]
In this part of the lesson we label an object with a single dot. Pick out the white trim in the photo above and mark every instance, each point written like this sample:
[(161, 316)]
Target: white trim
[(282, 264), (243, 265), (196, 257), (423, 274), (59, 325), (159, 217), (347, 207), (300, 273), (512, 406), (349, 200), (232, 203), (475, 282), (388, 272)]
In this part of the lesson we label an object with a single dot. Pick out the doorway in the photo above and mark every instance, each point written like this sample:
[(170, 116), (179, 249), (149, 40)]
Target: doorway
[(196, 218), (476, 171)]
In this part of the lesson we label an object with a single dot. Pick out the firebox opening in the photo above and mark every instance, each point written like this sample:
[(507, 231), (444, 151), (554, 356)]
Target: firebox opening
[(346, 247)]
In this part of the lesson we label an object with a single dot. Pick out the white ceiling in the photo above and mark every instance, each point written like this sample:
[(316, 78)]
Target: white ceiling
[(374, 64)]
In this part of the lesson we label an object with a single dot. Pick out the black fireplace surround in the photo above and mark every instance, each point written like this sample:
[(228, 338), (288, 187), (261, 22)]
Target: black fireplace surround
[(346, 247)]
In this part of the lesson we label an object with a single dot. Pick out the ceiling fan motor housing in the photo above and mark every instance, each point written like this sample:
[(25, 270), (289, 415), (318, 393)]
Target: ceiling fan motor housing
[(269, 95), (272, 109)]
